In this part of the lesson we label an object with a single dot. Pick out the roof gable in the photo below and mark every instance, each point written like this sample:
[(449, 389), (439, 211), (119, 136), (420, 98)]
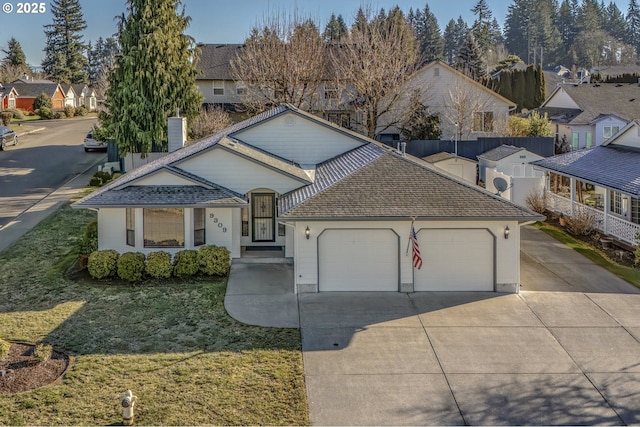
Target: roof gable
[(445, 156), (629, 136)]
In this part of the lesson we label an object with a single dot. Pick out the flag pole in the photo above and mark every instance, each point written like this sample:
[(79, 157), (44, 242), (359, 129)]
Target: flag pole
[(413, 219)]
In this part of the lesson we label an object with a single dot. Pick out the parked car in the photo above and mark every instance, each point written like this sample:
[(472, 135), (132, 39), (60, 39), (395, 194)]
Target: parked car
[(7, 137), (92, 144)]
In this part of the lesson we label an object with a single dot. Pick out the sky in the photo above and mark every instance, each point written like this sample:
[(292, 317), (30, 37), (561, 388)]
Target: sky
[(217, 21)]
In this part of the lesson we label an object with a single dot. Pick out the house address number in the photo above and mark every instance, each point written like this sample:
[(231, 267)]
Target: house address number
[(216, 221)]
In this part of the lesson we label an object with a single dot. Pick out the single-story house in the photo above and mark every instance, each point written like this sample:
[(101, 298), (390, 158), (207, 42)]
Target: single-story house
[(613, 169), (340, 206), (8, 98), (463, 168), (510, 160), (69, 95), (28, 92), (85, 96), (587, 115)]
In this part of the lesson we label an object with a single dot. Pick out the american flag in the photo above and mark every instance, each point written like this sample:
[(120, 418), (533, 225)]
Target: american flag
[(415, 249)]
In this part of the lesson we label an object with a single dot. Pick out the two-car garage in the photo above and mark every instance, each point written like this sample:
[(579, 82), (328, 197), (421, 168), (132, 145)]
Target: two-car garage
[(369, 260)]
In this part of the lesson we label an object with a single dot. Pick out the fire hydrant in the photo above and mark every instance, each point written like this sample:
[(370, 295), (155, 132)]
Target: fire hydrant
[(128, 401)]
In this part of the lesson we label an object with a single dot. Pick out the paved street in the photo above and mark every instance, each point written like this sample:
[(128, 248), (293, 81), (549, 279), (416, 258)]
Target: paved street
[(42, 162)]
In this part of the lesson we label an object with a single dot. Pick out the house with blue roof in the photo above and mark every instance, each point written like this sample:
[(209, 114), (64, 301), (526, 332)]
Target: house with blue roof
[(613, 169), (337, 206)]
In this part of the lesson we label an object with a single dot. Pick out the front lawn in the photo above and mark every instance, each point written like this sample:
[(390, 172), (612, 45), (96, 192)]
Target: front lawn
[(174, 346)]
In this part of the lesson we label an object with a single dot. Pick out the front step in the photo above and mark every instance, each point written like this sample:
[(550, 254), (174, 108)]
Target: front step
[(265, 260)]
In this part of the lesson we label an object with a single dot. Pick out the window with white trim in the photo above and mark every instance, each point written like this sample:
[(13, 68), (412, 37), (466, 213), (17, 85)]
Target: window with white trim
[(483, 121), (241, 88), (635, 211), (575, 140), (218, 87), (12, 100), (609, 131), (330, 91), (131, 226), (163, 227), (589, 140), (618, 204), (199, 231)]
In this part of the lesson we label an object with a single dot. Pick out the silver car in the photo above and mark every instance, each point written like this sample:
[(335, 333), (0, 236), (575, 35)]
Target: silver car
[(92, 144), (7, 137)]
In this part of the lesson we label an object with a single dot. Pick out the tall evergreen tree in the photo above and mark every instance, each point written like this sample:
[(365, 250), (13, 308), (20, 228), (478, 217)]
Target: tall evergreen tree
[(14, 54), (470, 60), (516, 28), (101, 59), (481, 27), (614, 22), (455, 35), (633, 24), (65, 60), (430, 41), (335, 30), (154, 74)]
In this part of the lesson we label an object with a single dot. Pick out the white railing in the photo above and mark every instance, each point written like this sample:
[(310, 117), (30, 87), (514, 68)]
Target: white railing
[(611, 225)]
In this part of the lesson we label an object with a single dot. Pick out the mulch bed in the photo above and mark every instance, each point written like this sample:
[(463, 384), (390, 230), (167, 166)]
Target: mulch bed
[(20, 371)]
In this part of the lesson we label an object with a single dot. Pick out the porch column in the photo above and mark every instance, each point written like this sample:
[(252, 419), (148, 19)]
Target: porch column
[(572, 186), (605, 210)]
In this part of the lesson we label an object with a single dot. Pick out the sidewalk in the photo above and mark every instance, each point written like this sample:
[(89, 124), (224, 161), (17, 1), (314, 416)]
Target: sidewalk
[(28, 219)]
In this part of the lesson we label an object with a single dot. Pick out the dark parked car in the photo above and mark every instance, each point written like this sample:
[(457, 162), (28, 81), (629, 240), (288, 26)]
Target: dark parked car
[(7, 137)]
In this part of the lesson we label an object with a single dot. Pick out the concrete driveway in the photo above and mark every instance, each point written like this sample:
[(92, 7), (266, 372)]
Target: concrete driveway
[(566, 350)]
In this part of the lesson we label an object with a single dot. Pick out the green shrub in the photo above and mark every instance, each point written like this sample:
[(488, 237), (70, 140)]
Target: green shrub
[(131, 266), (44, 112), (103, 264), (4, 348), (99, 179), (42, 101), (185, 263), (159, 265), (69, 111), (6, 117), (17, 113), (89, 241), (214, 260), (42, 352), (57, 115), (81, 111)]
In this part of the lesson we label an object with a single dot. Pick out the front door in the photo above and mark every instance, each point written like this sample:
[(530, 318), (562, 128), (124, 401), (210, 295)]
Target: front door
[(262, 217)]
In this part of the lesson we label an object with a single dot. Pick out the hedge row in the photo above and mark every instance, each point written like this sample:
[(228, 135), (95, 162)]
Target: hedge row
[(134, 266)]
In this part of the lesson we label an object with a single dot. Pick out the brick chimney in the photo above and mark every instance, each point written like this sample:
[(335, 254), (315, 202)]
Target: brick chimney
[(177, 132)]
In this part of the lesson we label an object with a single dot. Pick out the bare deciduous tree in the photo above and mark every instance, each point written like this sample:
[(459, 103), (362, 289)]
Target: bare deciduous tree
[(283, 61), (373, 64), (210, 121), (462, 106)]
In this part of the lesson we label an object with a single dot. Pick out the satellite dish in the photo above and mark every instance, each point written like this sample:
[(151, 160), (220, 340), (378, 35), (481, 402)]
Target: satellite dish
[(501, 184)]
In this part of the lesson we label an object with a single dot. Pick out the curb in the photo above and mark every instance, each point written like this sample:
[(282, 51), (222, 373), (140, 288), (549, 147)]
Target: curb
[(28, 132)]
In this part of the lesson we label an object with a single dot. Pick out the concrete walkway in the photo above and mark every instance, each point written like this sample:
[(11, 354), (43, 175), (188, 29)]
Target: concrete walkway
[(566, 350)]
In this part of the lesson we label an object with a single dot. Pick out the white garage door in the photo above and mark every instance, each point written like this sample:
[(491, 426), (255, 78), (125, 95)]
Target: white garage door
[(358, 260), (455, 260)]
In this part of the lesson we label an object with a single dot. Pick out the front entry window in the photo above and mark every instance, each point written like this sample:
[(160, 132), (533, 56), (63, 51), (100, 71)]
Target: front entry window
[(163, 228), (263, 217)]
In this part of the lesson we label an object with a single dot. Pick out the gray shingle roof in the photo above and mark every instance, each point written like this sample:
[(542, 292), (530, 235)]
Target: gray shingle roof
[(438, 157), (164, 195), (215, 61), (500, 152), (595, 100), (395, 187), (612, 167), (330, 172), (34, 89)]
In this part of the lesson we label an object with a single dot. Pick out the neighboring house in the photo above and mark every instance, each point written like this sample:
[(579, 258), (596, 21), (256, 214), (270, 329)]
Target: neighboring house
[(28, 92), (466, 108), (69, 95), (587, 115), (338, 205), (461, 167), (8, 98), (215, 80), (613, 169), (510, 167), (85, 96)]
